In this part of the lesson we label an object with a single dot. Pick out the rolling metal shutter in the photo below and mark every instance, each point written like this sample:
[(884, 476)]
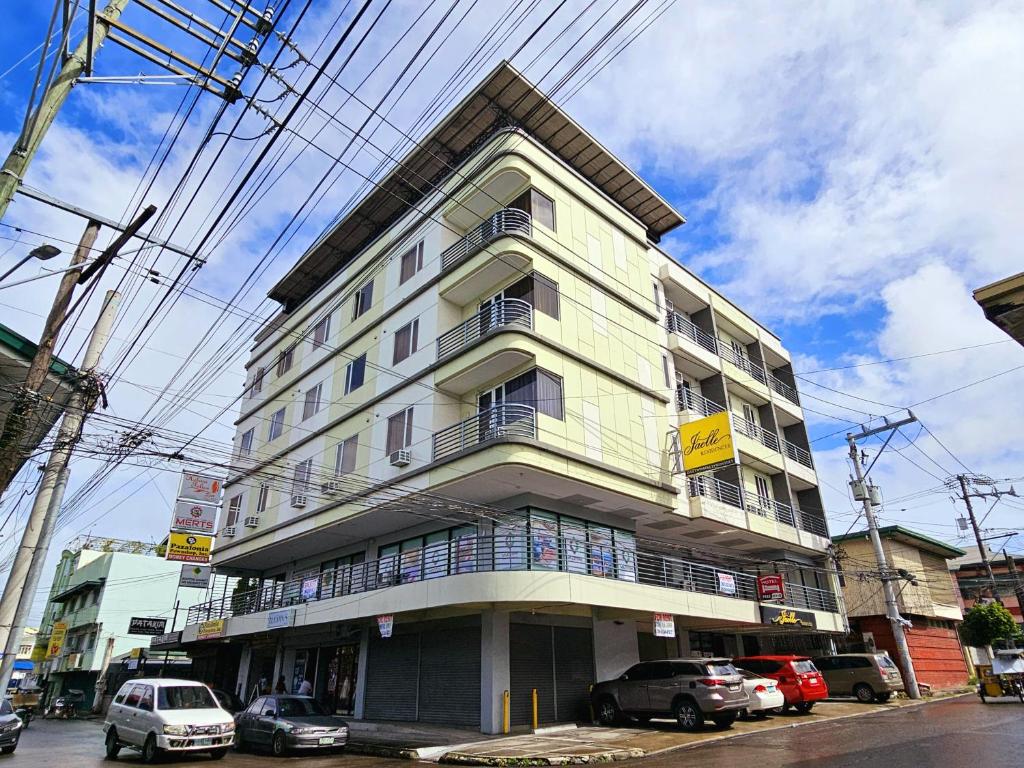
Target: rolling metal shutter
[(392, 677), (450, 676), (531, 665), (574, 673)]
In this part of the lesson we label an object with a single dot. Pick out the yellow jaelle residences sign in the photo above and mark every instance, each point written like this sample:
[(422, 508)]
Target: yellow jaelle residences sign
[(707, 443)]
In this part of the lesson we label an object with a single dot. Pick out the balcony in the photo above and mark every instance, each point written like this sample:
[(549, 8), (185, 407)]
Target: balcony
[(688, 400), (501, 314), (756, 432), (698, 347), (798, 454), (507, 221), (706, 487), (512, 552), (498, 423), (754, 370), (780, 387)]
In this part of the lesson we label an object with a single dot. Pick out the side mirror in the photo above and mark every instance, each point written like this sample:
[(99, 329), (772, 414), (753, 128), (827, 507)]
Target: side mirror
[(269, 713)]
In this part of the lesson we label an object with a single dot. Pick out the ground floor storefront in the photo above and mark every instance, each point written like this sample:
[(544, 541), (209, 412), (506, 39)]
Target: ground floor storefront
[(935, 648)]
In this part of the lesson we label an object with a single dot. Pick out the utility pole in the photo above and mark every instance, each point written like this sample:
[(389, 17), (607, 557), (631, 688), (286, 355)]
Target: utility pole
[(892, 610), (17, 598), (967, 495), (37, 124), (27, 399), (101, 680)]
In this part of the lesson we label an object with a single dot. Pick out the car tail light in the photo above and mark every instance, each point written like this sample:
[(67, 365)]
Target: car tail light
[(711, 682), (760, 689)]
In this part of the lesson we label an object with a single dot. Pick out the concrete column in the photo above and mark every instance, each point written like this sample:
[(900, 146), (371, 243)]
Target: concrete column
[(243, 672), (683, 642), (494, 669), (364, 648), (616, 648), (287, 668)]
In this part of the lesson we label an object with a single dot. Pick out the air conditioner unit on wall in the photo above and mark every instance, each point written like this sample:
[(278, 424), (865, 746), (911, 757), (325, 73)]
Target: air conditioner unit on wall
[(401, 458), (298, 500), (252, 521), (332, 488), (228, 532)]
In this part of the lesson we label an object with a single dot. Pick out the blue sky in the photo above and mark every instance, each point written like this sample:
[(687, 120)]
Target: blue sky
[(849, 174)]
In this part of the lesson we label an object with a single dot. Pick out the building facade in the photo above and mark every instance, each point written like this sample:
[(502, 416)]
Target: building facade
[(99, 586), (975, 586), (931, 604), (457, 468)]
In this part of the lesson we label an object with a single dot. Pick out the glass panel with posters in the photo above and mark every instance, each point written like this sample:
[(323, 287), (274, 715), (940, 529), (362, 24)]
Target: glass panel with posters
[(543, 541), (411, 560), (625, 555), (602, 553), (464, 549), (574, 540), (435, 555), (510, 547)]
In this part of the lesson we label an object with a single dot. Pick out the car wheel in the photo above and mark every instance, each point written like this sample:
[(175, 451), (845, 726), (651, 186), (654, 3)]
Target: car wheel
[(150, 751), (804, 707), (217, 754), (279, 744), (688, 716), (724, 721), (608, 711), (864, 693), (112, 744), (881, 698)]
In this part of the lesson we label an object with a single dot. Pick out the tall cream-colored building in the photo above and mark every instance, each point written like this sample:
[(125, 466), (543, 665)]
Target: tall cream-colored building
[(461, 428)]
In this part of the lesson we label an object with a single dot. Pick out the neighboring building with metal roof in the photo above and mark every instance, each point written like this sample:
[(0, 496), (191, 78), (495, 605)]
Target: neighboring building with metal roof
[(1003, 302)]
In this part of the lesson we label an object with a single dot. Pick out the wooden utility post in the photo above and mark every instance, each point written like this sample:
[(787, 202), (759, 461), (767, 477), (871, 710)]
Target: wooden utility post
[(35, 128)]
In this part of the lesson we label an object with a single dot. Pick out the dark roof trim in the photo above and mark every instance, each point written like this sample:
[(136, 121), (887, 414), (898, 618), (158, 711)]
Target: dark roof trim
[(70, 592), (907, 536), (26, 349), (504, 99)]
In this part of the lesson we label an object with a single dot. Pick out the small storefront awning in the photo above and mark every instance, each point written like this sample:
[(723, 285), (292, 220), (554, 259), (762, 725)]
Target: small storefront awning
[(77, 589)]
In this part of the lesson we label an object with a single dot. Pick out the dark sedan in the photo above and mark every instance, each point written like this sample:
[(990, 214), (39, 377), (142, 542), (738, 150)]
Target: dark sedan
[(10, 727), (284, 723)]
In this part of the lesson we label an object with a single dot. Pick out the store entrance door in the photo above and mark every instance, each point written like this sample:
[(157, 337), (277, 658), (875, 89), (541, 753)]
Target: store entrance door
[(339, 665)]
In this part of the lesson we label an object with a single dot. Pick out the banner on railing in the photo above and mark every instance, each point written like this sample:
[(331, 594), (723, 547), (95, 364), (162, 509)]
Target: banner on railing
[(707, 444), (771, 587), (385, 624), (664, 625), (209, 630), (726, 583)]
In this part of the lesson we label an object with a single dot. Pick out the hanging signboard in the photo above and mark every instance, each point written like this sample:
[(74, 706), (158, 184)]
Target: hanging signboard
[(787, 618), (706, 444), (195, 576), (664, 625), (209, 630), (280, 619), (202, 488), (142, 626), (385, 624), (771, 587), (189, 548), (60, 631), (193, 517), (310, 588), (170, 638), (726, 583)]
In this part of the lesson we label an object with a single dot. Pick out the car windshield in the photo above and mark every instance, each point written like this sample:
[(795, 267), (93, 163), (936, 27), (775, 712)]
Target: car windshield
[(5, 708), (885, 662), (185, 697), (299, 708), (721, 669), (804, 666)]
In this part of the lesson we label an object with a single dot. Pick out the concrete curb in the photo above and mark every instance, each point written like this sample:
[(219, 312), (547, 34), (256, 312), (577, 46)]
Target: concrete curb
[(460, 758)]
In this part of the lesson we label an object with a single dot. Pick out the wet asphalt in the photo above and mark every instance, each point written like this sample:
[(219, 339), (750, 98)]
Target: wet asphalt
[(959, 733)]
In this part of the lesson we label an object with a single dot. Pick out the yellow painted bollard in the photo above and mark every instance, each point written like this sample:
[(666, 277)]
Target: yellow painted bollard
[(534, 694), (505, 712)]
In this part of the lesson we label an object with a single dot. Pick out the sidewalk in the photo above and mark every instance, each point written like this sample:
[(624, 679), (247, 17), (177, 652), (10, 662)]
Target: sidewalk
[(586, 744)]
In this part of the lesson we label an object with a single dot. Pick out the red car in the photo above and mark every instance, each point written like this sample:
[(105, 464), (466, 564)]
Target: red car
[(799, 680)]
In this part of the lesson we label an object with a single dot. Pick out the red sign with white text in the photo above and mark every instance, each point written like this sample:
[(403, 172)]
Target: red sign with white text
[(771, 587)]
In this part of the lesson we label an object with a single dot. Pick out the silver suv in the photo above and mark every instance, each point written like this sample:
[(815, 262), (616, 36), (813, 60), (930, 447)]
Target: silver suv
[(690, 690)]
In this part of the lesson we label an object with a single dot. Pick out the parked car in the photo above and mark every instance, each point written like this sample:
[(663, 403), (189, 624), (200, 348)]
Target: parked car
[(228, 701), (763, 692), (10, 727), (868, 676), (798, 679), (157, 715), (689, 690), (284, 723)]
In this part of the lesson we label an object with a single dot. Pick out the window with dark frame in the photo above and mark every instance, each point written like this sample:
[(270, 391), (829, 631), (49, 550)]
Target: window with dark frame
[(234, 510), (257, 381), (345, 462), (399, 431), (301, 476), (540, 207), (355, 373), (312, 401), (539, 389), (538, 291), (284, 363), (363, 300), (262, 498), (321, 331), (276, 428), (245, 444), (406, 341), (412, 262)]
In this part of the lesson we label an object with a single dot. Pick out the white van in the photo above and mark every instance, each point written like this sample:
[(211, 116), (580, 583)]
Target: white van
[(157, 715)]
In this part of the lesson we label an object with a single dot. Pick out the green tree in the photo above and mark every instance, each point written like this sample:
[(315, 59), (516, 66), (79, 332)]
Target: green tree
[(984, 624)]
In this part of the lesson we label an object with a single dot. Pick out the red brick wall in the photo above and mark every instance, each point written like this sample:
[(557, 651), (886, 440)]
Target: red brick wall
[(938, 659)]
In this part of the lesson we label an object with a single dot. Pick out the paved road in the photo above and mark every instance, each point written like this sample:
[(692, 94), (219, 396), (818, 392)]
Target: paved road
[(960, 733)]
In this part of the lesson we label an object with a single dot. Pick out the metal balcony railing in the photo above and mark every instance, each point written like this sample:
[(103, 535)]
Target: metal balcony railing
[(766, 507), (507, 221), (812, 523), (521, 550), (498, 315), (756, 432), (812, 598), (688, 400), (709, 487), (718, 490), (782, 388), (682, 325), (798, 454), (741, 361), (509, 420)]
